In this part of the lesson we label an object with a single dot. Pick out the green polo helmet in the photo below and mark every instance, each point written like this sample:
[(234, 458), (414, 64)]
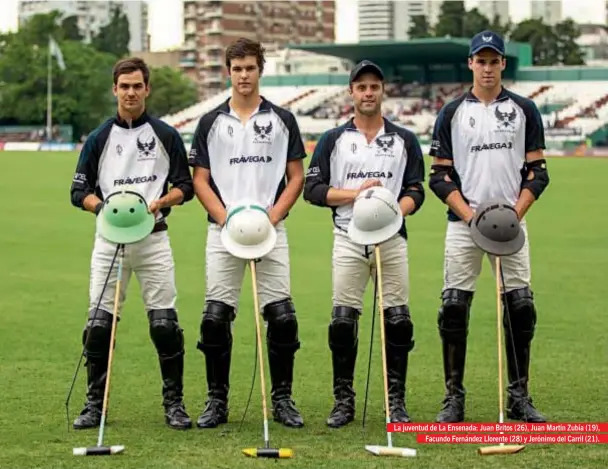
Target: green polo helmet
[(124, 218)]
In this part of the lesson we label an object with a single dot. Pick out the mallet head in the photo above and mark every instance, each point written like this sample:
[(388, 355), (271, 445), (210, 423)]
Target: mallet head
[(500, 449), (275, 453), (98, 450), (391, 451)]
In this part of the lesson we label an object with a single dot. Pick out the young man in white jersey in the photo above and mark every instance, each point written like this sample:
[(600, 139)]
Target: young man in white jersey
[(367, 151), (487, 144), (247, 149), (134, 150)]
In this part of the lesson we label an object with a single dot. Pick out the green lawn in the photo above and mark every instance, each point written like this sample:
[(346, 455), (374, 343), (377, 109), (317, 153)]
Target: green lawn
[(46, 245)]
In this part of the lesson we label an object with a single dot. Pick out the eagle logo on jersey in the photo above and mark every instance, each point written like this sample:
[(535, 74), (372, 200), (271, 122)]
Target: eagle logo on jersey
[(146, 149), (505, 116), (385, 145), (262, 132)]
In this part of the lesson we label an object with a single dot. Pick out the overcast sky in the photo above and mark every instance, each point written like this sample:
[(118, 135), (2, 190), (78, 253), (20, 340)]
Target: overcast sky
[(166, 17)]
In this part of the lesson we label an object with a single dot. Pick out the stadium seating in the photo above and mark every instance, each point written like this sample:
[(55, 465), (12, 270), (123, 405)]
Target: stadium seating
[(574, 107)]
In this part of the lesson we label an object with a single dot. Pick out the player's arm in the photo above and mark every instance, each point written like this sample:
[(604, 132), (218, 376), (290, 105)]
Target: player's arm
[(411, 196), (535, 177), (84, 182), (182, 189), (208, 199), (317, 190), (441, 180), (201, 177), (294, 172)]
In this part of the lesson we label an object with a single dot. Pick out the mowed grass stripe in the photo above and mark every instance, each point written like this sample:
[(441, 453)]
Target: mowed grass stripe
[(44, 297)]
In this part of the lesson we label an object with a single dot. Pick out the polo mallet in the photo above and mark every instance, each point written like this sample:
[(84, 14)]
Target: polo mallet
[(371, 348), (266, 451), (100, 449), (388, 450), (500, 448)]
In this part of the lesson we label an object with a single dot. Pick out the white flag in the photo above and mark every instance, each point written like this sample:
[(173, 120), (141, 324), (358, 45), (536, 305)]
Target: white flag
[(56, 51)]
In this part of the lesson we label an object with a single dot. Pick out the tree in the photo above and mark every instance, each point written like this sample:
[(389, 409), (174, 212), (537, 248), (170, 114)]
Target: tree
[(568, 51), (500, 27), (475, 22), (70, 28), (114, 37), (451, 21), (542, 39), (81, 94), (171, 91), (37, 29), (420, 27)]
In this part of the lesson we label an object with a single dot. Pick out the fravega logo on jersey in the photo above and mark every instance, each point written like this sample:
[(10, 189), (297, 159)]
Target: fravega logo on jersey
[(492, 146), (369, 175), (128, 181), (251, 159)]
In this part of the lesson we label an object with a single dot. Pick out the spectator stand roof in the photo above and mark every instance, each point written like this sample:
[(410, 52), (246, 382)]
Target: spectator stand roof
[(426, 54)]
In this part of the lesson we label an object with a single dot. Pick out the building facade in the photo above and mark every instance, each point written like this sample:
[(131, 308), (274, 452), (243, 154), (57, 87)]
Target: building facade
[(210, 26), (550, 11), (93, 15), (391, 20), (495, 8)]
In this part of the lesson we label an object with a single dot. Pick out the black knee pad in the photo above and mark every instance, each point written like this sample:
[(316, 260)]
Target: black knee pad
[(215, 331), (344, 328), (399, 328), (165, 332), (453, 317), (521, 311), (97, 333), (282, 324)]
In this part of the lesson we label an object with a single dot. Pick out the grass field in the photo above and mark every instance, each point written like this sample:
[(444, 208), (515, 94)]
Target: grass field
[(46, 245)]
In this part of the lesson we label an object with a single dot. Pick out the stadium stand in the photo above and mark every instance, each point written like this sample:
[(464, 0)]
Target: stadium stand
[(577, 108), (422, 76)]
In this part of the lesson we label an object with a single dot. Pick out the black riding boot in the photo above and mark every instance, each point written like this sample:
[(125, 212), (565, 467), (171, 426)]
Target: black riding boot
[(343, 362), (518, 339), (217, 362), (453, 324), (281, 363), (96, 342), (397, 361), (454, 355), (90, 416), (172, 370)]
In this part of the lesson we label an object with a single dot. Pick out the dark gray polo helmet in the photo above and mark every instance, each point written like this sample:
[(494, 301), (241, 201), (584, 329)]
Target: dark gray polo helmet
[(496, 229)]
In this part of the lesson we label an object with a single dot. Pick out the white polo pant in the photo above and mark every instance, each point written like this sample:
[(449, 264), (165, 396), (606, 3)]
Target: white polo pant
[(224, 272), (354, 265), (151, 260), (463, 259)]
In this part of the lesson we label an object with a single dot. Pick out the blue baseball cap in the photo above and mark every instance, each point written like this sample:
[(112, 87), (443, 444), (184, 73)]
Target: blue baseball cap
[(487, 40)]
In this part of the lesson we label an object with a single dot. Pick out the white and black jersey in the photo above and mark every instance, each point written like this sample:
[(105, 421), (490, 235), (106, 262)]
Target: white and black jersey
[(488, 144), (247, 162), (145, 156), (343, 159)]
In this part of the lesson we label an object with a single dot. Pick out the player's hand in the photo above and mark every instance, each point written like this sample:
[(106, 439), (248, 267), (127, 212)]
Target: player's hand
[(518, 211), (470, 219), (369, 183), (222, 220), (154, 207), (274, 217)]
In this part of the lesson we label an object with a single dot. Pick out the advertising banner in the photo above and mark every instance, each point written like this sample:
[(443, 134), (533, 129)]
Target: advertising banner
[(21, 146), (57, 147)]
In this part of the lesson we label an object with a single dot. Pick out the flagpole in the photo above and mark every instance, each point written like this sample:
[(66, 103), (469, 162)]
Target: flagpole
[(49, 95)]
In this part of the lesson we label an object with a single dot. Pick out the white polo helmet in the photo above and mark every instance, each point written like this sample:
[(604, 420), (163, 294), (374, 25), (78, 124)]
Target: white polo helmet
[(248, 232), (376, 216)]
